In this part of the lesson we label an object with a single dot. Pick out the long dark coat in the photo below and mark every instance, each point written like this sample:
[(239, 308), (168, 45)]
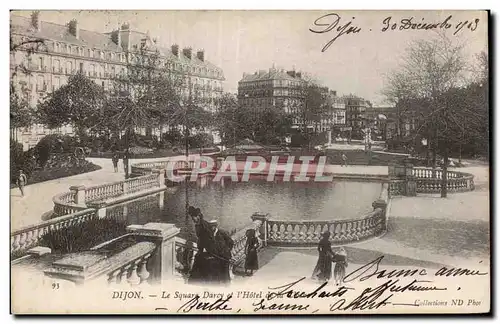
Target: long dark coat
[(251, 260), (200, 272), (323, 269), (221, 251)]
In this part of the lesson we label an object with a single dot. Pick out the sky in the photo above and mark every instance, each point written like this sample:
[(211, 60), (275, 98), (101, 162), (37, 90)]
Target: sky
[(248, 41)]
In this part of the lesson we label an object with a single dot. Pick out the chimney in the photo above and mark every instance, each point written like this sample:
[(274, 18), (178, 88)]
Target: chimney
[(201, 55), (299, 75), (116, 37), (73, 28), (187, 52), (175, 50), (35, 20), (125, 36)]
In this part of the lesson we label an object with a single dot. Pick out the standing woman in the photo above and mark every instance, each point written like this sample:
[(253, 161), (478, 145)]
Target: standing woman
[(340, 266), (251, 259), (323, 269)]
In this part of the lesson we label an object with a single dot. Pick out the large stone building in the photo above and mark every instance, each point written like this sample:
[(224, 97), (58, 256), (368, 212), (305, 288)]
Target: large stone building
[(277, 88), (356, 115), (68, 49)]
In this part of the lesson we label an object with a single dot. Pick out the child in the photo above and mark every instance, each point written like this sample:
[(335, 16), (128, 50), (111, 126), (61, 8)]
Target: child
[(344, 159), (340, 266)]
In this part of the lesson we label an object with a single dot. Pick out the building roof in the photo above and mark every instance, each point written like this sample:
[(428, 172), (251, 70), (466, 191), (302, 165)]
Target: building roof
[(272, 74), (56, 32)]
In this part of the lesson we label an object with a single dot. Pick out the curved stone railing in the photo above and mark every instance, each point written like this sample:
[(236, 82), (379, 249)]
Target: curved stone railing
[(281, 232), (397, 187), (144, 168), (308, 232), (429, 180), (23, 239), (64, 203), (78, 198)]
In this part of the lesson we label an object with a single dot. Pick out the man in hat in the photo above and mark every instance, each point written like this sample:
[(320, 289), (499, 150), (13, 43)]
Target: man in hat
[(200, 272), (221, 250)]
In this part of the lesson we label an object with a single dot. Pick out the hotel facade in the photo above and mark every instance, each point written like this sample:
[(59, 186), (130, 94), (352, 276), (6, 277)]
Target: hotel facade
[(67, 50)]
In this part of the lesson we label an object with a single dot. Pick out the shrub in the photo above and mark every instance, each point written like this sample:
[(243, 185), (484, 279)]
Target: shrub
[(51, 144), (83, 236)]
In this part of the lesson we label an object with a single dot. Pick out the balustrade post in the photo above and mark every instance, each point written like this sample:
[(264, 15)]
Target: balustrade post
[(410, 180), (382, 204), (100, 207), (79, 194), (263, 228), (161, 178), (125, 187), (164, 257)]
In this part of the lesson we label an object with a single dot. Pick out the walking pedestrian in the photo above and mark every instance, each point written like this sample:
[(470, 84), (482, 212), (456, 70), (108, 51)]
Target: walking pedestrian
[(251, 259), (344, 159), (340, 266), (125, 163), (323, 269), (22, 180), (115, 160)]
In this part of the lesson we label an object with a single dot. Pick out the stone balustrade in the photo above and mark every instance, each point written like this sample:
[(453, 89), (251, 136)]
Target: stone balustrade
[(144, 256), (407, 180), (23, 239), (126, 268), (144, 168), (80, 197), (429, 180), (64, 203), (282, 232), (308, 232), (397, 187)]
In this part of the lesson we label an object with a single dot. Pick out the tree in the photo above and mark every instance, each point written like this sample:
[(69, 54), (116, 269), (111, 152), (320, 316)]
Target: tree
[(310, 106), (426, 82), (21, 113), (79, 103)]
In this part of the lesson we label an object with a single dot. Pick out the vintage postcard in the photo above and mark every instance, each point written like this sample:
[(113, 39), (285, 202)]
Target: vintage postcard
[(249, 162)]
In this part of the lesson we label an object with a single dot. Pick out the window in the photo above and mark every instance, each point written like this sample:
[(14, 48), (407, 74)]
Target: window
[(56, 83), (89, 52), (57, 66), (69, 67), (40, 63), (57, 47), (81, 67)]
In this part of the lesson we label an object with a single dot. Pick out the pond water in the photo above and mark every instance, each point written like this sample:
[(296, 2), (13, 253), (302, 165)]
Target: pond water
[(232, 203)]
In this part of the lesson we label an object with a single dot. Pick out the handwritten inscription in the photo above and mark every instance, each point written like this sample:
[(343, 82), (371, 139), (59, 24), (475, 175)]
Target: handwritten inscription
[(381, 288), (331, 23), (336, 26), (196, 303)]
